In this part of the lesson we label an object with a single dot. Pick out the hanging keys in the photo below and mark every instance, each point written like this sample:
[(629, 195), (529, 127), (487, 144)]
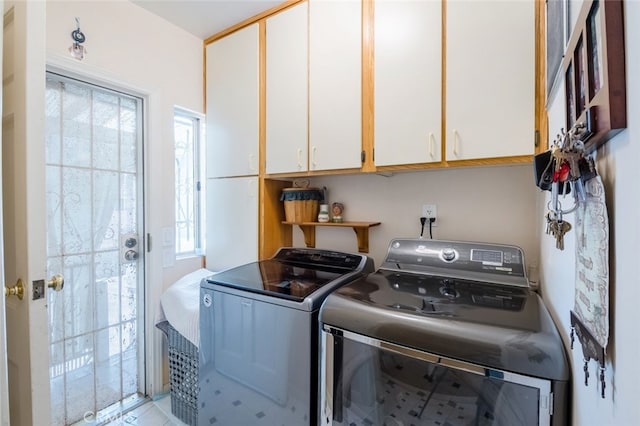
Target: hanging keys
[(557, 227), (562, 228), (569, 169), (550, 221)]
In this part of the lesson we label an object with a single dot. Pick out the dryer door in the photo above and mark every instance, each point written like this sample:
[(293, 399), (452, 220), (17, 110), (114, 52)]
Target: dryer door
[(368, 381)]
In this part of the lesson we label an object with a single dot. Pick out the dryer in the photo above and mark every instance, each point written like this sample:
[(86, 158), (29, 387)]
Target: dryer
[(445, 332)]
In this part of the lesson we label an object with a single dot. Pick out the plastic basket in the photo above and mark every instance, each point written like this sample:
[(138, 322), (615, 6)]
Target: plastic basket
[(183, 375)]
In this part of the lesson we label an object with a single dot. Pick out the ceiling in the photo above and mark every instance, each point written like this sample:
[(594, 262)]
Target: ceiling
[(204, 18)]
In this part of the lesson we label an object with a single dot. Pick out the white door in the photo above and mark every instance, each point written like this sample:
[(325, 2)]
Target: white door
[(93, 184), (30, 248), (23, 209), (4, 383)]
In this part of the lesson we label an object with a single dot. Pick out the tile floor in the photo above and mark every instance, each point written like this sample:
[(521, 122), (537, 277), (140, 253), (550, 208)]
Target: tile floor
[(151, 413)]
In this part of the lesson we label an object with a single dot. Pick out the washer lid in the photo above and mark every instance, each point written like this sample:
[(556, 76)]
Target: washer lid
[(295, 273)]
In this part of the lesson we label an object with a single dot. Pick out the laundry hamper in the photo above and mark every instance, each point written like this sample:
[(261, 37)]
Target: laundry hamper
[(183, 374)]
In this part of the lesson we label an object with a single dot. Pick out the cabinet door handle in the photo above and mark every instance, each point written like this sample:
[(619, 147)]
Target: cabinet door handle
[(299, 158), (432, 145), (313, 157), (251, 192), (456, 143)]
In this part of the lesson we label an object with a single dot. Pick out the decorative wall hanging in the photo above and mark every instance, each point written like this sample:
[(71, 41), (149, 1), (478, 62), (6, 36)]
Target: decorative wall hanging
[(77, 50), (593, 68), (590, 315)]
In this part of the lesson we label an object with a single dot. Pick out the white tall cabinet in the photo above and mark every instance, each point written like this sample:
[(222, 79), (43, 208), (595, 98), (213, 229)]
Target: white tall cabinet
[(335, 84), (287, 90), (232, 100), (490, 79), (408, 82)]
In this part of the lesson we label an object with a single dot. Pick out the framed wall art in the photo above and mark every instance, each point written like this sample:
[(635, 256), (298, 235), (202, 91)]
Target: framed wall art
[(556, 40), (593, 67)]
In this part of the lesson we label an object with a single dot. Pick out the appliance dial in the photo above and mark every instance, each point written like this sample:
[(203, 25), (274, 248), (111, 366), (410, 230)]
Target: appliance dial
[(448, 254)]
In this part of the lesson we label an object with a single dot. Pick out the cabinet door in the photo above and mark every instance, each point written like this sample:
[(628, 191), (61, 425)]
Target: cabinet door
[(408, 82), (287, 91), (490, 79), (335, 80), (232, 222), (232, 97)]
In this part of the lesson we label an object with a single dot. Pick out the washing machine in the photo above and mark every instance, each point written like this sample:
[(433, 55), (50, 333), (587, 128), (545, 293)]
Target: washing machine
[(259, 336)]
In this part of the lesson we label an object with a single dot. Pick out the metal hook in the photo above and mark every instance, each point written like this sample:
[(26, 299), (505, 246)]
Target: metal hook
[(77, 35)]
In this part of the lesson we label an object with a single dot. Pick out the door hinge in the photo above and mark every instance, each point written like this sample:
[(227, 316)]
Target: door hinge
[(363, 156), (536, 138), (198, 186), (148, 243)]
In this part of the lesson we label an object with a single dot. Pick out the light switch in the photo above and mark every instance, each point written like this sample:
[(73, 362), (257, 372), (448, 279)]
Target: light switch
[(167, 237)]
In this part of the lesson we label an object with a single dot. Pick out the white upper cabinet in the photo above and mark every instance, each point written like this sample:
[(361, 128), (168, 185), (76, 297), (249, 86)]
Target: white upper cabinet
[(232, 99), (335, 84), (408, 82), (490, 79), (287, 91)]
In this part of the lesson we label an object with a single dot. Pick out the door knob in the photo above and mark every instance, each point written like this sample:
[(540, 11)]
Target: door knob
[(16, 290), (56, 282), (131, 255)]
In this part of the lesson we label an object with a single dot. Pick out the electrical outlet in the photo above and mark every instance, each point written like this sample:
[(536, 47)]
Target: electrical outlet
[(430, 211)]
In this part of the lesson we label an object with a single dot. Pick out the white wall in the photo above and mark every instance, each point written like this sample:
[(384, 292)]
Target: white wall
[(617, 163), (143, 54), (491, 204)]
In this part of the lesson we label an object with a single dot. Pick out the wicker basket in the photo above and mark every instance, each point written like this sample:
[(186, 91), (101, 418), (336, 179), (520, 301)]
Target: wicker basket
[(301, 204), (183, 375)]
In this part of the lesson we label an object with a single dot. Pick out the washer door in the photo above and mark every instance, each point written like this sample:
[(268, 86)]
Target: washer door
[(367, 381)]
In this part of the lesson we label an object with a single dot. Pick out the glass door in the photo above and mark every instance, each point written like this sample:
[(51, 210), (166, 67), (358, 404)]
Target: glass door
[(369, 382), (94, 220)]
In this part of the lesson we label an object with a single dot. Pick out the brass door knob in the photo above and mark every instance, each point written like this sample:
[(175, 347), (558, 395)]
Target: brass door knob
[(56, 282), (16, 290)]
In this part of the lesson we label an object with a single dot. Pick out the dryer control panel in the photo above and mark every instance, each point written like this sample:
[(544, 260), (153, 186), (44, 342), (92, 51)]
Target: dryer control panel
[(492, 262)]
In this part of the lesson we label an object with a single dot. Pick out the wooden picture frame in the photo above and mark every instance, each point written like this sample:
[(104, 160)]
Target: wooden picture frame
[(594, 70), (557, 22)]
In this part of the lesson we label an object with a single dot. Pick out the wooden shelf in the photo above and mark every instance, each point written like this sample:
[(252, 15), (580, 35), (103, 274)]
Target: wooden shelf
[(360, 228)]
